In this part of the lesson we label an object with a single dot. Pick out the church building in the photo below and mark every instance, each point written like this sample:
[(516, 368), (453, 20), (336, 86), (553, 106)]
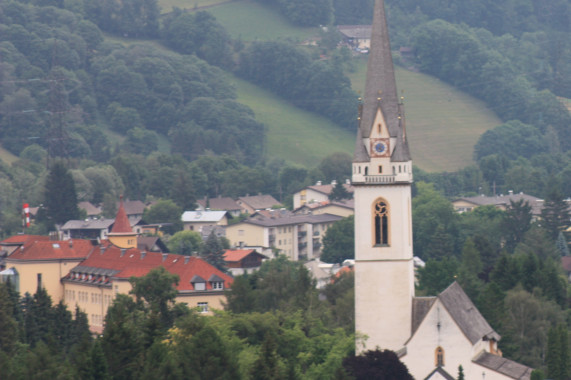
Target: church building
[(433, 336)]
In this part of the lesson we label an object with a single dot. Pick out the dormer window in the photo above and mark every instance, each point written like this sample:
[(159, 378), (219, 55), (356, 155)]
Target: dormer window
[(216, 283), (198, 283)]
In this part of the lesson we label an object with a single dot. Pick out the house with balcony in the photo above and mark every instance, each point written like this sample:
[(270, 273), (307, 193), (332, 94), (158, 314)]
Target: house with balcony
[(299, 237), (317, 193)]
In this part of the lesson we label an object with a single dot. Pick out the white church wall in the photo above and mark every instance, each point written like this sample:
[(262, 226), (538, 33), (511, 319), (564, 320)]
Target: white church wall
[(421, 349)]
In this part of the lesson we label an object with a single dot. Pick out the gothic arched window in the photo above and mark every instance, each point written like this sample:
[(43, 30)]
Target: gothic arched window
[(381, 223), (439, 357)]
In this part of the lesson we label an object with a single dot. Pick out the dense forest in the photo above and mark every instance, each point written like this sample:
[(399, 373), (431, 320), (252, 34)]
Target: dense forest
[(160, 121)]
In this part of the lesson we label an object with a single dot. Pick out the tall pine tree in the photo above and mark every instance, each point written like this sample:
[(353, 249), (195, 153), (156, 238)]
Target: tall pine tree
[(60, 196)]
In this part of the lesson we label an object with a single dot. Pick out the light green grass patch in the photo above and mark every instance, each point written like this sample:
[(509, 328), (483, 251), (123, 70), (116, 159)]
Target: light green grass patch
[(292, 134), (443, 124), (7, 157), (251, 21)]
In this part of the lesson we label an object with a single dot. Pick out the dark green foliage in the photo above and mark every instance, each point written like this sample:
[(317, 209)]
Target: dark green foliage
[(60, 195), (165, 211), (126, 18), (213, 252), (289, 72), (305, 12), (381, 365), (555, 213), (437, 275), (267, 366), (198, 33), (516, 222), (557, 357), (8, 324), (562, 245), (339, 241), (460, 373)]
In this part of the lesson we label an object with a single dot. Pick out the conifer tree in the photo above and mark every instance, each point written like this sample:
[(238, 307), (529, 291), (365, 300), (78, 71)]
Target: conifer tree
[(267, 366), (561, 244), (470, 267), (460, 372), (553, 356), (60, 197), (8, 325), (555, 212), (213, 252), (339, 192)]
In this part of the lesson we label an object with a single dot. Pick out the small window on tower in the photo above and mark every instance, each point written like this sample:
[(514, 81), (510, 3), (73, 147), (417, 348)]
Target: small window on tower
[(380, 169)]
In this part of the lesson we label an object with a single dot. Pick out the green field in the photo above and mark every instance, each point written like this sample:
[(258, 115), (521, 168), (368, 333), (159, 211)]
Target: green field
[(295, 135), (246, 19), (443, 124)]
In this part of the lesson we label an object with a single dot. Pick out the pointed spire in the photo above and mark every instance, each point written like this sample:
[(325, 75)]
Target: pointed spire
[(121, 225), (380, 77)]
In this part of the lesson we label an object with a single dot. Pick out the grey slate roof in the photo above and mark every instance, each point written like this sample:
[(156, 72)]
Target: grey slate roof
[(88, 224), (440, 371), (504, 200), (355, 31), (294, 219), (380, 77), (465, 314), (504, 366), (219, 203), (259, 202), (420, 307), (360, 154)]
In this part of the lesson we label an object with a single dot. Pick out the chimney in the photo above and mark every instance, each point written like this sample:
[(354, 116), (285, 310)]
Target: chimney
[(186, 259), (347, 181), (143, 254), (102, 248), (165, 255), (334, 182), (318, 183), (123, 250), (511, 192), (70, 243)]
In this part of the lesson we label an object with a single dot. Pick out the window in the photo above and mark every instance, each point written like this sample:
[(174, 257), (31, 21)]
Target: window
[(240, 232), (200, 286), (439, 357), (217, 285), (203, 307), (39, 280), (366, 170), (381, 223), (380, 169)]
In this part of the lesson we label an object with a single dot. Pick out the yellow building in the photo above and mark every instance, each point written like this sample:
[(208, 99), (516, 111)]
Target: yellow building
[(297, 237)]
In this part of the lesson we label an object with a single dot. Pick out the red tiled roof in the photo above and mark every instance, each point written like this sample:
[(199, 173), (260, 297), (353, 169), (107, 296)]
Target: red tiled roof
[(122, 224), (235, 255), (22, 239), (53, 250), (133, 263)]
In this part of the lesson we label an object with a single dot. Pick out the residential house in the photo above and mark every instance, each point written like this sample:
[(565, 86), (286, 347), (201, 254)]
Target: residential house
[(297, 237), (151, 244), (196, 220), (317, 193), (356, 36), (343, 208), (219, 204), (87, 229), (251, 204), (499, 201), (92, 212), (240, 261)]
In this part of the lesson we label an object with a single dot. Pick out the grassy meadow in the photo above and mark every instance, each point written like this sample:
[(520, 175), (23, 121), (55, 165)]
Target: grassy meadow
[(247, 20), (443, 124), (293, 134)]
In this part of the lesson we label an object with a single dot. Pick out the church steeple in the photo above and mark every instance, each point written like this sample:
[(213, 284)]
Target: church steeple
[(381, 94), (382, 179)]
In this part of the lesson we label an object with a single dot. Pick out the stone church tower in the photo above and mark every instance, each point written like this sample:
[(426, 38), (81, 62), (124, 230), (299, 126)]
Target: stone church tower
[(382, 177)]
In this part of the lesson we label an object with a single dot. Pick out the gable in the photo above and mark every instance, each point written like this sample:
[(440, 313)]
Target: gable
[(379, 128)]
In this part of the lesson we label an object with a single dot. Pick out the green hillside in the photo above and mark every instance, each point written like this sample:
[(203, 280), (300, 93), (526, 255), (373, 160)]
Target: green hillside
[(247, 20), (443, 124), (293, 134)]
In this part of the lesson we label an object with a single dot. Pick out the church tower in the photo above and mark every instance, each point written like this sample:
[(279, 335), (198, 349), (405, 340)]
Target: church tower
[(382, 178)]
